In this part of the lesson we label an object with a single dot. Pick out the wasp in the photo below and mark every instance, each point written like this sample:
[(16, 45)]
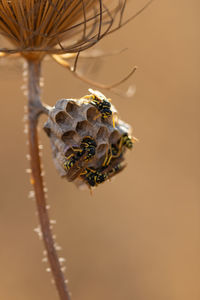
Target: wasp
[(93, 176), (102, 104), (118, 168), (75, 162), (88, 147), (126, 141), (117, 149), (69, 163), (86, 151), (113, 152)]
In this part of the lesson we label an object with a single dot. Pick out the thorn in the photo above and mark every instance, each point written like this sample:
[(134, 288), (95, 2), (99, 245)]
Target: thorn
[(44, 260), (28, 157), (31, 194), (38, 231), (40, 147), (52, 221), (63, 269), (57, 247), (48, 270), (62, 260)]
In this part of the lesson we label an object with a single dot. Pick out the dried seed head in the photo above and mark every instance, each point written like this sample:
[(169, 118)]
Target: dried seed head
[(35, 28), (88, 140), (60, 28)]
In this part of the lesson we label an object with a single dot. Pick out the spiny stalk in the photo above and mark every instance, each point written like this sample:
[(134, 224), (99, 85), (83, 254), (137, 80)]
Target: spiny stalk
[(34, 110)]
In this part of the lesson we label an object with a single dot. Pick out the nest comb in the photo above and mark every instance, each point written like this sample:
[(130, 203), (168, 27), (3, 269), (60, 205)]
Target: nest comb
[(71, 123)]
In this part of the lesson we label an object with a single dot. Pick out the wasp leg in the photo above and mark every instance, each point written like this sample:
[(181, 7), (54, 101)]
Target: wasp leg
[(68, 157), (99, 115), (120, 143), (91, 170), (77, 149), (113, 121), (107, 158), (83, 173)]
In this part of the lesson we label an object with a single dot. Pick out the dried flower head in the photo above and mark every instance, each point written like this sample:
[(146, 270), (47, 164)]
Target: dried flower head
[(43, 25), (60, 28), (88, 139)]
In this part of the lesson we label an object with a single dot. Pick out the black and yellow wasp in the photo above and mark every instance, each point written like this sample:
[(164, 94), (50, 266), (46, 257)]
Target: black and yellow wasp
[(117, 149), (102, 104), (84, 153), (118, 168), (93, 177), (88, 147), (126, 141), (112, 152)]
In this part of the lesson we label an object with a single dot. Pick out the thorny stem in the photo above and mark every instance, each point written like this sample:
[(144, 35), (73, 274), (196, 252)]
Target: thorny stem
[(35, 108)]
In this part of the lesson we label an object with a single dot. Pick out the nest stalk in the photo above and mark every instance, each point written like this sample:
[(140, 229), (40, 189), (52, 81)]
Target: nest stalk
[(35, 108)]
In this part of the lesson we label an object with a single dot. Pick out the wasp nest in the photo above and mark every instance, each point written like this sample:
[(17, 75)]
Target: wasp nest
[(88, 139)]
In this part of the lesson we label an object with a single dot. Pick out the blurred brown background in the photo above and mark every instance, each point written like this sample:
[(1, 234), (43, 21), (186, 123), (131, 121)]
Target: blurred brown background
[(137, 237)]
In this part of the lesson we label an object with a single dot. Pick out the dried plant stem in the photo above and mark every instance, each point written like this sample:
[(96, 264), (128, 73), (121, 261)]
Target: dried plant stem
[(35, 108)]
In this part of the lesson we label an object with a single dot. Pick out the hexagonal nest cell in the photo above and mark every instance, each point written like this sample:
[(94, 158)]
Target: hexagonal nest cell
[(88, 147)]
